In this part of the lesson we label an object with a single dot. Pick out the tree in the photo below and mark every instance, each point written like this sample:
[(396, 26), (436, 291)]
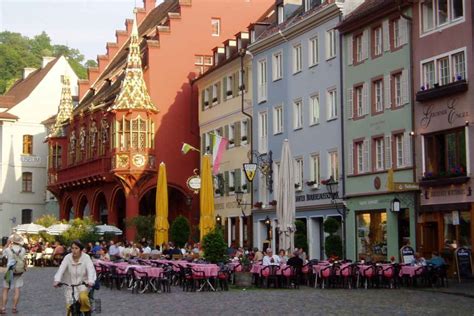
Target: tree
[(82, 229), (301, 238), (214, 246), (180, 231), (46, 221), (333, 243), (144, 225)]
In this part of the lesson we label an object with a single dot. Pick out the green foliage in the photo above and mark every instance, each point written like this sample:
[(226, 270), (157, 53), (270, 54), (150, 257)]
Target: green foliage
[(333, 246), (18, 52), (333, 243), (180, 231), (82, 229), (214, 246), (301, 238), (47, 220), (331, 225), (144, 225)]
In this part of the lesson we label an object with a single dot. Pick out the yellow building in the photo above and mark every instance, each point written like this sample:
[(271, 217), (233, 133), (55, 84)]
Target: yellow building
[(225, 96)]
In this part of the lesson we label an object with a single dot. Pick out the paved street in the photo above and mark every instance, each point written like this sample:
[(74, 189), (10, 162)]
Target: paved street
[(40, 298)]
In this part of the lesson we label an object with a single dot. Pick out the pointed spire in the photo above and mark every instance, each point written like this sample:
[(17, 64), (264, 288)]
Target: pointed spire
[(133, 92), (65, 106)]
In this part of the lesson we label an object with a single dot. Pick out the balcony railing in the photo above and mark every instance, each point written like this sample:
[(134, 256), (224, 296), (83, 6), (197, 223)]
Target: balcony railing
[(84, 170)]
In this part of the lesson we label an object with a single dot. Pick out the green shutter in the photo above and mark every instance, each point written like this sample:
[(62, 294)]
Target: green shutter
[(237, 180), (219, 92), (226, 134), (226, 183), (249, 135), (246, 79), (237, 133), (235, 84), (202, 99), (225, 86)]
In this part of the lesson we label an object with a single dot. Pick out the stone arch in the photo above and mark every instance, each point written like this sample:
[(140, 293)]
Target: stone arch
[(83, 208), (117, 206), (67, 209), (100, 209)]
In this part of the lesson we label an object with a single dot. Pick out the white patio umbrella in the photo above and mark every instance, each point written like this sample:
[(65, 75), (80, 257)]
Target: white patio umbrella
[(285, 197), (29, 228), (109, 229), (58, 229)]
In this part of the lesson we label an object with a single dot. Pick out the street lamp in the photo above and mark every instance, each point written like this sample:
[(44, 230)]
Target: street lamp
[(395, 205), (332, 187), (218, 220), (239, 199)]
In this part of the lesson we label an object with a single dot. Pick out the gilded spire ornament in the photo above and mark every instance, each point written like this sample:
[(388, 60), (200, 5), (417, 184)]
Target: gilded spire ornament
[(133, 92), (65, 107)]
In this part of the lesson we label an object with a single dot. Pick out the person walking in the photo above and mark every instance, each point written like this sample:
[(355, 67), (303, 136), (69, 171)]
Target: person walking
[(76, 268), (16, 266)]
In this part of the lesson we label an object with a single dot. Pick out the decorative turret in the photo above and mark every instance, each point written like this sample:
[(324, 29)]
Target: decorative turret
[(65, 107), (133, 92)]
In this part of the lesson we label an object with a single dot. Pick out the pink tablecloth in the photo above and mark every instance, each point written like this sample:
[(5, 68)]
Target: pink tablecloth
[(411, 271), (210, 270), (152, 272)]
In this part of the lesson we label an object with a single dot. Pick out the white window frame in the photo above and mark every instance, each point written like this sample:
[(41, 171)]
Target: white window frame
[(262, 80), (217, 22), (331, 104), (297, 58), (277, 66), (215, 94), (399, 150), (435, 59), (313, 51), (297, 114), (428, 74), (278, 119), (436, 26), (229, 87), (231, 135), (359, 100), (359, 152), (243, 132), (206, 99), (331, 44), (333, 164), (232, 182), (397, 89), (281, 14), (299, 173), (315, 170), (243, 181), (378, 38), (396, 33), (263, 132), (358, 41), (378, 95), (314, 109), (379, 153)]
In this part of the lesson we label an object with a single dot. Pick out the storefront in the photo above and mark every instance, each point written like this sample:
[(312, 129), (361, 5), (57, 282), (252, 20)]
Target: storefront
[(375, 230)]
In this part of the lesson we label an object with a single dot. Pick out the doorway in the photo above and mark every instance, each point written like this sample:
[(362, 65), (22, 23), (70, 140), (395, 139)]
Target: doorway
[(429, 241)]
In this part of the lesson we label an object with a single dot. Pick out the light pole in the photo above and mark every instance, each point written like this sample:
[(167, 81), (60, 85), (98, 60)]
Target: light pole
[(332, 187)]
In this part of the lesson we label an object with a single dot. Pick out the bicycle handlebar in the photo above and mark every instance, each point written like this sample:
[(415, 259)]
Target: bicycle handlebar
[(72, 285)]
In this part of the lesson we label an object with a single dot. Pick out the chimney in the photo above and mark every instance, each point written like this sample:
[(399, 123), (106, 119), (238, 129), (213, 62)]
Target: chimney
[(27, 72), (46, 60)]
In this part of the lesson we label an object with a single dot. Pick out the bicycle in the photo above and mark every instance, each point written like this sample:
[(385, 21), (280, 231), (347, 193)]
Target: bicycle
[(75, 308)]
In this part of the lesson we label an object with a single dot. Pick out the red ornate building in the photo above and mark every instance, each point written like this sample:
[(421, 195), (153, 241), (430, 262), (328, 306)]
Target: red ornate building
[(136, 109)]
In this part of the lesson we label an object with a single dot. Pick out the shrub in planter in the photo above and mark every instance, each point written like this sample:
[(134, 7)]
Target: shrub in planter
[(180, 231), (214, 246), (144, 225), (301, 237), (333, 243)]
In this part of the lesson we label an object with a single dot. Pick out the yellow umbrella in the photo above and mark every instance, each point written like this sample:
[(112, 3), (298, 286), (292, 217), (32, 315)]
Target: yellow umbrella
[(161, 219), (207, 221)]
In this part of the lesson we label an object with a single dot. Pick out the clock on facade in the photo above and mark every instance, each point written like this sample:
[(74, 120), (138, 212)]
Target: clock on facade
[(122, 161), (139, 160)]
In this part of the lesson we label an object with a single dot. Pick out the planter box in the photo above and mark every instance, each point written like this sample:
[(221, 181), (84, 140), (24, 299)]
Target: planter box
[(442, 91), (243, 279)]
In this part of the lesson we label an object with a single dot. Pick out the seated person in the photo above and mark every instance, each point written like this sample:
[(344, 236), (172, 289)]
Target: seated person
[(418, 260), (47, 254), (258, 255), (282, 255), (270, 259), (436, 260), (295, 261)]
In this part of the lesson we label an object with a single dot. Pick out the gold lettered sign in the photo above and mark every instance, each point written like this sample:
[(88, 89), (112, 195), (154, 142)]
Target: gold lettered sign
[(194, 183), (250, 170)]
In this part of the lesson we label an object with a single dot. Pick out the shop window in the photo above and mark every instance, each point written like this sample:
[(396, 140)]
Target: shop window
[(457, 228), (372, 236), (27, 144), (445, 154), (26, 216)]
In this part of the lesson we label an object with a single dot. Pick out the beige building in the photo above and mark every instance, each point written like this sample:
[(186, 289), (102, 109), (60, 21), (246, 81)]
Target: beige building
[(224, 95)]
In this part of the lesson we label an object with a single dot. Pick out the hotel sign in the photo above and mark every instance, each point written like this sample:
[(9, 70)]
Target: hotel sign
[(405, 186), (30, 159), (314, 197)]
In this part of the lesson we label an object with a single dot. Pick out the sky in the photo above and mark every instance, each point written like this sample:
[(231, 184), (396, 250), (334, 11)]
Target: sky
[(86, 25)]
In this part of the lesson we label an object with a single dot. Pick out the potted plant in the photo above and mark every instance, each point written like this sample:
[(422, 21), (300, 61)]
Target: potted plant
[(229, 93), (333, 243), (258, 204), (242, 274), (273, 203), (244, 138)]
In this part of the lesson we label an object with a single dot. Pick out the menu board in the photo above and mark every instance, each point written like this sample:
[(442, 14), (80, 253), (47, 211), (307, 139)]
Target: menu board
[(408, 254), (463, 263)]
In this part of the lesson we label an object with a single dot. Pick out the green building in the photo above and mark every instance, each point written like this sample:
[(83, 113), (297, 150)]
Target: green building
[(377, 128)]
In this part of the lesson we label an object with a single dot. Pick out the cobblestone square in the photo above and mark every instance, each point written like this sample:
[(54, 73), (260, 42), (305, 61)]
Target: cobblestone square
[(40, 298)]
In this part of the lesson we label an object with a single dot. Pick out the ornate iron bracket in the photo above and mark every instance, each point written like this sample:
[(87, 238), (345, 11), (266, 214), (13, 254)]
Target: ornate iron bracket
[(264, 164)]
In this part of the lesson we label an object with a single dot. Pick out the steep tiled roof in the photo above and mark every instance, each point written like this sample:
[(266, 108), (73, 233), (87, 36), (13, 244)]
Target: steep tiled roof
[(7, 116), (23, 87)]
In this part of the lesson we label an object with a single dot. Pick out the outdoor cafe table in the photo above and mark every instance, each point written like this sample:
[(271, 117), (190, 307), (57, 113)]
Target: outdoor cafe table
[(410, 271)]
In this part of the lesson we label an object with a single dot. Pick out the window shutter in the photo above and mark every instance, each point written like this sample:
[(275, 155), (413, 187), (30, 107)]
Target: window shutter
[(296, 171), (406, 149), (235, 84), (403, 31), (226, 183), (226, 134), (388, 151), (405, 90), (224, 84), (386, 93), (350, 158), (246, 78), (350, 54), (350, 105), (203, 143), (365, 107), (386, 35), (365, 158), (365, 44), (203, 94), (219, 92), (237, 133), (275, 180), (237, 180)]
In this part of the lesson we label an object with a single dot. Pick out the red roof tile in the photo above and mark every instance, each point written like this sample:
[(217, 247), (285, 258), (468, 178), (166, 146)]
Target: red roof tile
[(7, 116)]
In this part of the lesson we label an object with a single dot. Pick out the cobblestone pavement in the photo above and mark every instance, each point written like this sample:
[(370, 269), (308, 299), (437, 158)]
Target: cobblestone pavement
[(40, 298)]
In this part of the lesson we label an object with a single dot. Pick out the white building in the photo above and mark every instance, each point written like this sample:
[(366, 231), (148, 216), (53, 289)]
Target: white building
[(23, 152)]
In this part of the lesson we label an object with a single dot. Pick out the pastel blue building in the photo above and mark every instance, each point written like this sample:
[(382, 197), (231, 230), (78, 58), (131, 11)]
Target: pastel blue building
[(297, 96)]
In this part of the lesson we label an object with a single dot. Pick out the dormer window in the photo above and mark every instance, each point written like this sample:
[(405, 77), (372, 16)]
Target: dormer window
[(227, 52), (216, 26), (281, 14), (307, 5), (252, 36), (216, 59)]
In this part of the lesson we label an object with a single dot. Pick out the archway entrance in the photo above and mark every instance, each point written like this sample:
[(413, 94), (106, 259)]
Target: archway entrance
[(101, 209), (117, 210), (84, 209), (176, 204), (69, 210)]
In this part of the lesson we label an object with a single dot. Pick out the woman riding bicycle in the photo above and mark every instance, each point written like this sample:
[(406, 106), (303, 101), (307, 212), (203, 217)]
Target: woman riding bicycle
[(76, 268)]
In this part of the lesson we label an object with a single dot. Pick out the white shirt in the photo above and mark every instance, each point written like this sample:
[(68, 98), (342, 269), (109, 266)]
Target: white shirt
[(146, 250), (267, 261)]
